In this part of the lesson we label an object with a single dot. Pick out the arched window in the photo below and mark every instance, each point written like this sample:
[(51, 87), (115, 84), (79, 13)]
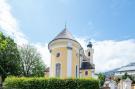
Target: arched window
[(58, 69), (88, 53)]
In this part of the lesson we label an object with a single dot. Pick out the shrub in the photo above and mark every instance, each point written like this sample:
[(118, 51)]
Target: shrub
[(42, 83)]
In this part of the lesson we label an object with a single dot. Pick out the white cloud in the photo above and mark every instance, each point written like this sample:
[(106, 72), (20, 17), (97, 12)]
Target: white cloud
[(43, 50), (9, 24), (110, 54)]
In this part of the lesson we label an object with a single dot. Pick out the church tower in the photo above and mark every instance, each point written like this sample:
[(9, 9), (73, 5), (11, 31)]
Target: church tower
[(89, 52), (65, 58), (87, 69)]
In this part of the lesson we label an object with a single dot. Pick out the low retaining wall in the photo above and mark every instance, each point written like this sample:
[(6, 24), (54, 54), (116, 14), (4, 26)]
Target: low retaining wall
[(106, 88), (133, 86)]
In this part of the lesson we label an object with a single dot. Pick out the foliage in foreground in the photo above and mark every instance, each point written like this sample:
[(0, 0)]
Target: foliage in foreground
[(42, 83), (19, 60), (9, 57)]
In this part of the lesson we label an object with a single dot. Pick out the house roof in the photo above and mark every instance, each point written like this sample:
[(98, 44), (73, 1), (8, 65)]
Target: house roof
[(87, 65), (65, 34), (47, 69)]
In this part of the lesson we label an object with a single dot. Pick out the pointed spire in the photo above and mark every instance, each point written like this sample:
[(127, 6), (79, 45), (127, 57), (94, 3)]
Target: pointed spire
[(65, 27), (65, 34)]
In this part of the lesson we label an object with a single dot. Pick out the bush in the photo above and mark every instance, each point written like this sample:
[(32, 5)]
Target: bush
[(42, 83)]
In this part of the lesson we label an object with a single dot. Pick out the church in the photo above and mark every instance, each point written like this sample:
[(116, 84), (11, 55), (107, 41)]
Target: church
[(69, 59)]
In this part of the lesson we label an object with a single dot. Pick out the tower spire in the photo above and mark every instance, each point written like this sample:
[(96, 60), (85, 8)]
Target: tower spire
[(65, 26)]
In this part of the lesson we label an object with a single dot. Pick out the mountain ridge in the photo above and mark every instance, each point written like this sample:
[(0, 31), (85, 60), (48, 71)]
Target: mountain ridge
[(112, 72)]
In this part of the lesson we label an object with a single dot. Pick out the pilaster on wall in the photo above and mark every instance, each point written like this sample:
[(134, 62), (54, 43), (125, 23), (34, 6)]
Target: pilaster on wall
[(69, 59)]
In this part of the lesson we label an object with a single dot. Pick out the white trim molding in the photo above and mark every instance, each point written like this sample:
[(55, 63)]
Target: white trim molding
[(69, 60)]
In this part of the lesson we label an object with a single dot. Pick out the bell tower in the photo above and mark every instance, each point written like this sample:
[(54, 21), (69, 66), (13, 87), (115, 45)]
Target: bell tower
[(89, 52)]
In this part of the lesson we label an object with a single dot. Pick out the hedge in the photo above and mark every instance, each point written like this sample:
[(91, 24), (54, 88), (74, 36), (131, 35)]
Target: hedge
[(42, 83)]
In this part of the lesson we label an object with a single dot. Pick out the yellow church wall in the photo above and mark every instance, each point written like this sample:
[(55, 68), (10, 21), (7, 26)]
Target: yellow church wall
[(74, 62), (83, 73), (52, 74), (61, 46), (62, 60)]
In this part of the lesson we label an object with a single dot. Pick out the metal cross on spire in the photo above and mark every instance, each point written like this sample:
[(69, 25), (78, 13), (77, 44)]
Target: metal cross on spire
[(65, 25)]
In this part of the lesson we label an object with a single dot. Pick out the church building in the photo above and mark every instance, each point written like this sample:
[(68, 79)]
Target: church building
[(69, 59)]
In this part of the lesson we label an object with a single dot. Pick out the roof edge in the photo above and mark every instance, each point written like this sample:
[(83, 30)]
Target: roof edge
[(64, 38)]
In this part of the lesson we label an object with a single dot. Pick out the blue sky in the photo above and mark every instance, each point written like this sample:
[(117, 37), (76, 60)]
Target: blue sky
[(41, 20), (109, 23)]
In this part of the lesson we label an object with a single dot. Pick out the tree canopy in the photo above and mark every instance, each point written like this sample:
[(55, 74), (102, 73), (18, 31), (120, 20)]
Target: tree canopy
[(31, 62), (101, 77), (9, 56)]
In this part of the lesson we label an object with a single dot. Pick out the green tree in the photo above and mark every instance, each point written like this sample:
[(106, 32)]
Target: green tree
[(9, 56), (31, 62), (126, 75), (101, 78)]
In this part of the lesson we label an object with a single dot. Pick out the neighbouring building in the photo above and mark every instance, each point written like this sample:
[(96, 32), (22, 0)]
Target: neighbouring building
[(69, 59), (47, 72)]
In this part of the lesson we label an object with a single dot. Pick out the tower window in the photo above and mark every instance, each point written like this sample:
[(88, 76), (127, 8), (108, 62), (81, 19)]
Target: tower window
[(88, 53), (86, 73), (58, 55), (58, 69)]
